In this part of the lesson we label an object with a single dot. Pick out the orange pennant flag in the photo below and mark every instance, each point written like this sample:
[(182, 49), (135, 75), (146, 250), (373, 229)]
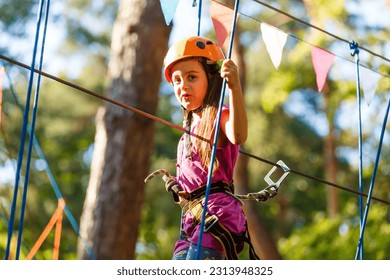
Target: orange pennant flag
[(222, 18), (322, 60), (2, 72)]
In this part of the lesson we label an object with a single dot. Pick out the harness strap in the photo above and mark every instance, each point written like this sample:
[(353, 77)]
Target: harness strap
[(190, 199), (232, 243)]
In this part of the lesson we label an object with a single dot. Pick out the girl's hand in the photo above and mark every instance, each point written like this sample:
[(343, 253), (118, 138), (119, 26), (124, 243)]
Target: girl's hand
[(229, 71), (235, 123)]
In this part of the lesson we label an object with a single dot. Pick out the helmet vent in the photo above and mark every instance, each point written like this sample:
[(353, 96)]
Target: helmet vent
[(200, 45)]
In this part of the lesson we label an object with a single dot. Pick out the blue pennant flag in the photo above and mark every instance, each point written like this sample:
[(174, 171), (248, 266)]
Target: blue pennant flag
[(169, 7)]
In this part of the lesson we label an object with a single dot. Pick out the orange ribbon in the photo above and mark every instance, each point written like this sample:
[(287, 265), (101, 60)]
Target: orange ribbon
[(56, 220)]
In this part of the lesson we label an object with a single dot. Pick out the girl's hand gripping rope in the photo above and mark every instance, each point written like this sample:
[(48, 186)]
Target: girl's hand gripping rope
[(171, 184)]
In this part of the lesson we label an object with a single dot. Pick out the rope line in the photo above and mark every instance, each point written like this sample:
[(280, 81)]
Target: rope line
[(216, 134), (318, 28), (89, 92), (32, 129), (157, 119), (360, 243), (354, 49), (199, 14), (312, 45), (56, 220), (50, 175), (314, 178), (306, 42), (23, 134)]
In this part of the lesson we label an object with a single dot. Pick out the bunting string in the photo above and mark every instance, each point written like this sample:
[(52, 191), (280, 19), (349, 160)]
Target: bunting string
[(318, 28), (275, 39)]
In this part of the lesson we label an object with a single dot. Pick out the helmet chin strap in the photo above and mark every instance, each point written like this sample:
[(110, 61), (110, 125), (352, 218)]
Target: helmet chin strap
[(197, 110)]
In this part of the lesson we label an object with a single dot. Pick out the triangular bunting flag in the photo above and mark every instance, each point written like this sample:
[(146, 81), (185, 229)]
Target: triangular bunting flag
[(169, 8), (274, 41), (322, 60), (222, 18), (369, 81)]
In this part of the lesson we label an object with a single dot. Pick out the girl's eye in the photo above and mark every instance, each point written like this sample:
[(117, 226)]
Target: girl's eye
[(191, 77), (176, 81)]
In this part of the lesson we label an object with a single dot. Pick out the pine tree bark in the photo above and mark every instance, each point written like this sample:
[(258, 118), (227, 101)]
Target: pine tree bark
[(124, 141)]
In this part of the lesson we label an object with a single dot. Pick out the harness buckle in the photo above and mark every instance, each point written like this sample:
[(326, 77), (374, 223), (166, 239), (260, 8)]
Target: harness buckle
[(210, 222)]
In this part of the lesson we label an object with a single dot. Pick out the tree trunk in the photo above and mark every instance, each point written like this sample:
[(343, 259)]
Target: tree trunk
[(329, 145), (123, 142)]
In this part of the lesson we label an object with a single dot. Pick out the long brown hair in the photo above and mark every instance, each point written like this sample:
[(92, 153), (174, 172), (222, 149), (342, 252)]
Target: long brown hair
[(209, 110)]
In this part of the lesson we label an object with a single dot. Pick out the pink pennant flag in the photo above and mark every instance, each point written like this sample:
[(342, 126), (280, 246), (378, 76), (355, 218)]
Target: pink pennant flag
[(322, 60), (169, 8), (274, 41), (369, 81), (222, 18)]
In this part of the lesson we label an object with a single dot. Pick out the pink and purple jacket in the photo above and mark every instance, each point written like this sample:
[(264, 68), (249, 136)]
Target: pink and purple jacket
[(191, 174)]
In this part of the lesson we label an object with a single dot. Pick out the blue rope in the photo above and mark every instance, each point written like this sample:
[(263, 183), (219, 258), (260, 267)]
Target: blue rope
[(214, 149), (360, 244), (50, 175), (354, 48), (199, 15), (4, 219), (23, 134), (30, 142)]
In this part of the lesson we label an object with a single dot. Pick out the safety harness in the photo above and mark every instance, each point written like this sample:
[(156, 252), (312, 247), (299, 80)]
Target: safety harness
[(232, 243)]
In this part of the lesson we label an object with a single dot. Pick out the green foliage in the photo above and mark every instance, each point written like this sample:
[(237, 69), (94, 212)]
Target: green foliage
[(337, 239), (14, 15)]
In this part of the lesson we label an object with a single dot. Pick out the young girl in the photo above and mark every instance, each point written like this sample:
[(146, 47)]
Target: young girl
[(196, 67)]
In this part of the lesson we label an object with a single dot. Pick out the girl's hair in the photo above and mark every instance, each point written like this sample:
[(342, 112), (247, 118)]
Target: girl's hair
[(209, 110)]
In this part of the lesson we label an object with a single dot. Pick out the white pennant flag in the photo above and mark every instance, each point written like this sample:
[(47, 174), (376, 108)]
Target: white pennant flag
[(369, 81), (274, 40)]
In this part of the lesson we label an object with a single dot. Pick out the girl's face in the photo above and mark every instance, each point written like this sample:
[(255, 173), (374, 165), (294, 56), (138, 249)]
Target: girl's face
[(189, 83)]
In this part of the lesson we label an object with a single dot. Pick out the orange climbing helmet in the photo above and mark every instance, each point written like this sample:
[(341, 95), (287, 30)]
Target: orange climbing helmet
[(194, 46)]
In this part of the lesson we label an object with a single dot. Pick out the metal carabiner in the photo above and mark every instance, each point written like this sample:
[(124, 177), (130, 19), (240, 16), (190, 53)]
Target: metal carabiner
[(286, 171)]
